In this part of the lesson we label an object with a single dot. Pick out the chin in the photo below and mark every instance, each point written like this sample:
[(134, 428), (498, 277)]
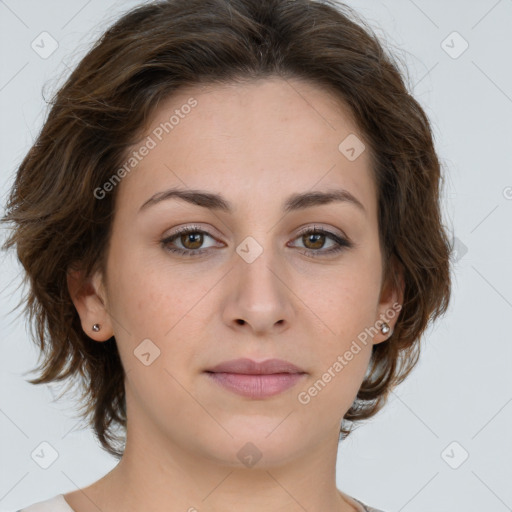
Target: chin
[(257, 442)]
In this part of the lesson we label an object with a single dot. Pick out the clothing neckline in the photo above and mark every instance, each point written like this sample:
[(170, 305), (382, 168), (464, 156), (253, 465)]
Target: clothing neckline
[(361, 507), (65, 503)]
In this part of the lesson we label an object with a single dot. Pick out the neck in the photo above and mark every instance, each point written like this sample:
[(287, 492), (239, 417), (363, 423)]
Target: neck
[(174, 480)]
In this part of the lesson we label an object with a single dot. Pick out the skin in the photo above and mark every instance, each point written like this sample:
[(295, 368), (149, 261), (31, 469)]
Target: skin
[(255, 143)]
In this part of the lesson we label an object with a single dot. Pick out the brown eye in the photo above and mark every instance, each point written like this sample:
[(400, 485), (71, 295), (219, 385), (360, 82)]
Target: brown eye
[(314, 240), (188, 241), (193, 240)]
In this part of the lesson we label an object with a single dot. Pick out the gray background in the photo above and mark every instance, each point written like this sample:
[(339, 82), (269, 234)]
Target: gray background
[(457, 403)]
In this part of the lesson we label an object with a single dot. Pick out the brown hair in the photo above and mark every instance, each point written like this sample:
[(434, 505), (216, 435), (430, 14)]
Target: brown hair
[(148, 54)]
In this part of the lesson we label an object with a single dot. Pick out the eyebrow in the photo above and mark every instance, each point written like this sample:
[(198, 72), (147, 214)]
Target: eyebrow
[(214, 201)]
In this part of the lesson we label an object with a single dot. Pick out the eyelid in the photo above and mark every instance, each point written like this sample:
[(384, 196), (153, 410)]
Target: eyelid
[(189, 228), (341, 242), (318, 227), (307, 228)]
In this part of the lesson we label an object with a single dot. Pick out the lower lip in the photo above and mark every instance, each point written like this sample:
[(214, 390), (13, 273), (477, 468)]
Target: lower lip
[(257, 386)]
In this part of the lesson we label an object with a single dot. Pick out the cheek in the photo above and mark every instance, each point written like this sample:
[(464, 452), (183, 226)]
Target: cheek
[(146, 297), (345, 309), (341, 304), (327, 396), (341, 361), (153, 302)]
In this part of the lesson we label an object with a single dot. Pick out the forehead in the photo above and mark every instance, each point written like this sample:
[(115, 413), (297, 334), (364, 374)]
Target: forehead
[(259, 139)]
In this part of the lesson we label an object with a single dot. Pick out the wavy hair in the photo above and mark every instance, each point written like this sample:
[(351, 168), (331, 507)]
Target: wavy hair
[(142, 59)]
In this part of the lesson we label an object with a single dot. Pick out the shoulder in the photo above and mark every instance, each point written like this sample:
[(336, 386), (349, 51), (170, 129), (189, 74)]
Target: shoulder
[(54, 504), (358, 504), (367, 508)]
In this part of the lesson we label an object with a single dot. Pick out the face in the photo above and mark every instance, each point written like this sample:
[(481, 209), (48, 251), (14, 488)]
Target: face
[(262, 274)]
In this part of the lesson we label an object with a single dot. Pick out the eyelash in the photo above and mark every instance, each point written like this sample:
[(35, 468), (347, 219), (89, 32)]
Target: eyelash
[(341, 243)]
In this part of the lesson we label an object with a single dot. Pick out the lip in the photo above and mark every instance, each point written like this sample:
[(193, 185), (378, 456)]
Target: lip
[(251, 367), (256, 380)]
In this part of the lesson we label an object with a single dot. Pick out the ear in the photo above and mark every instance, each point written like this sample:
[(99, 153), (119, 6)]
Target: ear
[(89, 297), (391, 301)]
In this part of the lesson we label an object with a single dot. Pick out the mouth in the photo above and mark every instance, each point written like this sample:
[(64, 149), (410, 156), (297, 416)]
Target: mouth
[(255, 380)]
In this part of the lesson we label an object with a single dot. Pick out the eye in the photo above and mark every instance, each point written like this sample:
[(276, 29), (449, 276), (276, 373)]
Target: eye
[(190, 237), (314, 240)]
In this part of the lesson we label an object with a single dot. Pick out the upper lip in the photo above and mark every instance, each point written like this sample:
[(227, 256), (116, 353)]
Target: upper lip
[(250, 367)]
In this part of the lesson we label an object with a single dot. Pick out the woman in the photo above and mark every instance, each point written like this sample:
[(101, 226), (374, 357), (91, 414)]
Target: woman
[(231, 228)]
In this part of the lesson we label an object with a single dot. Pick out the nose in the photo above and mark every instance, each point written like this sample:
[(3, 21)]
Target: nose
[(258, 297)]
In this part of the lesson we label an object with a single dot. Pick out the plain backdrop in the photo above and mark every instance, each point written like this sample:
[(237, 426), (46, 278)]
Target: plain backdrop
[(443, 442)]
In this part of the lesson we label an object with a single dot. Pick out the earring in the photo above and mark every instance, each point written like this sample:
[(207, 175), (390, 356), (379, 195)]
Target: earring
[(96, 327), (384, 328)]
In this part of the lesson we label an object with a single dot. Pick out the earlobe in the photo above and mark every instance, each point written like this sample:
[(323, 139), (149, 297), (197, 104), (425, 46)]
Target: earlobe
[(391, 300), (88, 296)]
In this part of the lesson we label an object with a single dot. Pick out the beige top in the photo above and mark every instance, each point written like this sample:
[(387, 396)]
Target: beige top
[(359, 505), (55, 504), (59, 504)]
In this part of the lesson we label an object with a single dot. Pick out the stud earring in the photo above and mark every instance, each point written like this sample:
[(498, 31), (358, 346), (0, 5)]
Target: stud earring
[(96, 327), (384, 328)]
